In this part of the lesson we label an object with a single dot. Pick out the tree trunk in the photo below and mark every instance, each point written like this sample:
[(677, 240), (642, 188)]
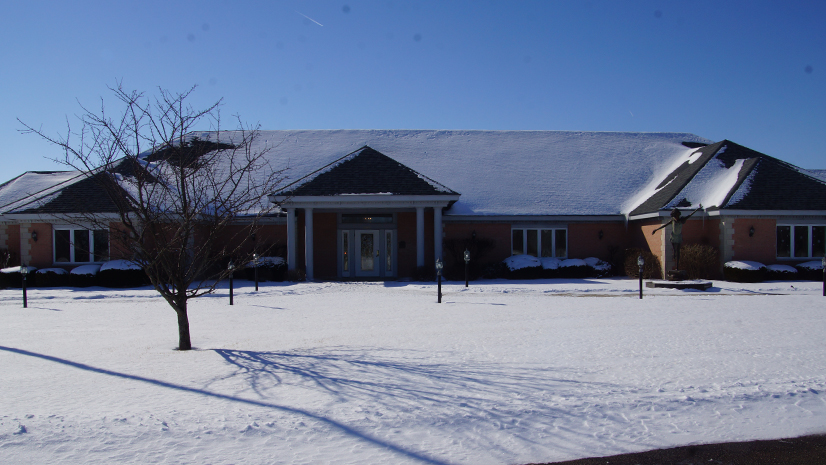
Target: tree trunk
[(184, 343)]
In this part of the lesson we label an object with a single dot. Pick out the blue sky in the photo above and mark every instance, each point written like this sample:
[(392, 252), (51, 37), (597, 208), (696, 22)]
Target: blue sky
[(753, 72)]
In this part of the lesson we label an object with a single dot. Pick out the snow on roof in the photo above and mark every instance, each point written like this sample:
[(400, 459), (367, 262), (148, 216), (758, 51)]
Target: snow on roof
[(499, 172), (33, 186), (710, 186)]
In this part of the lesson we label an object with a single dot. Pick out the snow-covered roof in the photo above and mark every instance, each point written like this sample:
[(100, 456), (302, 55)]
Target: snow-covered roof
[(33, 188), (498, 172)]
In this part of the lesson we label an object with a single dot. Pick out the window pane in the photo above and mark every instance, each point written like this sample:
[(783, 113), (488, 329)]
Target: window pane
[(388, 250), (81, 244), (547, 242), (801, 241), (101, 238), (366, 252), (345, 248), (533, 242), (62, 245), (818, 241), (784, 241), (518, 242), (561, 243)]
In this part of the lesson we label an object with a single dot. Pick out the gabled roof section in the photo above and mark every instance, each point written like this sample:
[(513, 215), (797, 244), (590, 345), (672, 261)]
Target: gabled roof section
[(58, 192), (365, 171), (726, 175)]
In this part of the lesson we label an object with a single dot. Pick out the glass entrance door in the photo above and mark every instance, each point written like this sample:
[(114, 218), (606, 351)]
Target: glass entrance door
[(368, 260)]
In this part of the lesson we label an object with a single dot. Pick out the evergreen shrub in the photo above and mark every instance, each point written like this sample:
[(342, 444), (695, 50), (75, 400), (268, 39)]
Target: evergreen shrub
[(700, 261), (744, 272)]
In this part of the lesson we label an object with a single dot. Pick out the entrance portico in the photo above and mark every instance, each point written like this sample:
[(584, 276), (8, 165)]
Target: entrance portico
[(364, 222), (372, 199)]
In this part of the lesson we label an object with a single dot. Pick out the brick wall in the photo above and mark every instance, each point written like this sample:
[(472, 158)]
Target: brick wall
[(584, 239), (761, 247), (325, 246)]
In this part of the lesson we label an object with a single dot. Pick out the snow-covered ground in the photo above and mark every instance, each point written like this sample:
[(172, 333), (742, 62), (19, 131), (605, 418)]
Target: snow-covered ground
[(500, 373)]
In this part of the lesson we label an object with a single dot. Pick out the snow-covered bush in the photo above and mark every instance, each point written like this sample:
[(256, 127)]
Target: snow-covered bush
[(600, 268), (269, 269), (84, 275), (51, 277), (11, 277), (811, 271), (523, 267), (744, 271), (781, 273), (122, 273), (574, 268)]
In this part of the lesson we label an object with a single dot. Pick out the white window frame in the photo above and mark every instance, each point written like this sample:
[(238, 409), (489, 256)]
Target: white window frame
[(72, 258), (539, 240), (792, 227)]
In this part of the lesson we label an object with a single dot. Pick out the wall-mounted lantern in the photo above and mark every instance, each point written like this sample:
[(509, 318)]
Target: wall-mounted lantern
[(601, 234), (751, 231), (34, 236)]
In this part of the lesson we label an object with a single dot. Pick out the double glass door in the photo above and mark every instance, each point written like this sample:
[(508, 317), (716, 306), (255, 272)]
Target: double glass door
[(368, 253)]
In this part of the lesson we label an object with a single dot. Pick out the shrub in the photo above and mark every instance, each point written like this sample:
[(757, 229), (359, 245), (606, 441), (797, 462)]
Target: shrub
[(11, 277), (84, 276), (122, 274), (52, 277), (598, 268), (744, 272), (296, 276), (810, 271), (269, 269), (523, 267), (495, 270), (651, 269), (700, 261), (574, 268)]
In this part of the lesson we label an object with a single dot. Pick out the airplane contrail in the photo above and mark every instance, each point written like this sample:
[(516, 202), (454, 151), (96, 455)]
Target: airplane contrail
[(311, 19)]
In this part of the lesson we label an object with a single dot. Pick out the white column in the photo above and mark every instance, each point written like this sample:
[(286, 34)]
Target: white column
[(308, 242), (291, 239), (419, 236), (437, 231)]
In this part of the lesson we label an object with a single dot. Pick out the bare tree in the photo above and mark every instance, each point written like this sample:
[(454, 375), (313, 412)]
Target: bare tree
[(185, 205)]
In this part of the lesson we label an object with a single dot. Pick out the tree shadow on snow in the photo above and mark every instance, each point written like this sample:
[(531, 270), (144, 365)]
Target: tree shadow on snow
[(414, 386), (421, 457)]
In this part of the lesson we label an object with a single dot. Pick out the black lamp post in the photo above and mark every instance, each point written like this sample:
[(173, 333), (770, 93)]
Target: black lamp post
[(255, 261), (230, 267), (467, 261), (823, 266), (439, 266), (24, 270), (640, 263)]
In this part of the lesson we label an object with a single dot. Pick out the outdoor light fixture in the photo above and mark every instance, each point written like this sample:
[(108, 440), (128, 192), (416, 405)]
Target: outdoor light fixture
[(24, 270), (255, 260), (641, 264), (230, 267), (751, 231), (467, 262), (34, 236), (600, 234), (439, 266), (823, 267)]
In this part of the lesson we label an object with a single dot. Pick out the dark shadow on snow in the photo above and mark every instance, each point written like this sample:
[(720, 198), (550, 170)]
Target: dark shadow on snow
[(340, 426)]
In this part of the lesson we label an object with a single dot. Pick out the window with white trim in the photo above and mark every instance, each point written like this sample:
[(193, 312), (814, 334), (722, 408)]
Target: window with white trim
[(77, 245), (540, 242), (801, 241)]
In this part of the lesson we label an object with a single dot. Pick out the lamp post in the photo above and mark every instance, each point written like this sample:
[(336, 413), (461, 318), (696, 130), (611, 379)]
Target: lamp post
[(230, 267), (24, 270), (823, 267), (439, 266), (640, 263), (467, 261), (255, 261)]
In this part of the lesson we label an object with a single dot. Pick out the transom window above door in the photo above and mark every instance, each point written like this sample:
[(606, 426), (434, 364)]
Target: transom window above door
[(358, 218)]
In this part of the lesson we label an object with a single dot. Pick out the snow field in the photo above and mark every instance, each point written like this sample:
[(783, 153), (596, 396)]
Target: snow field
[(503, 372)]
